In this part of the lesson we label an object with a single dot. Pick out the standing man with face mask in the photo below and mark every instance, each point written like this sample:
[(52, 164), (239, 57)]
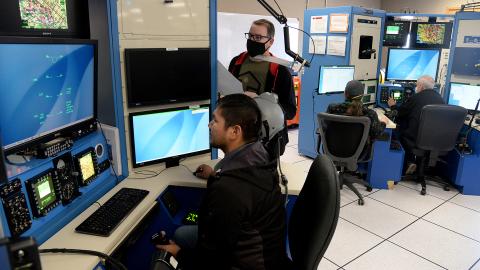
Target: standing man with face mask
[(260, 76)]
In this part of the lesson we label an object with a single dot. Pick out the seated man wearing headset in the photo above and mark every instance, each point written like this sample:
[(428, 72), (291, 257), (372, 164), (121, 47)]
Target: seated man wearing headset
[(242, 222)]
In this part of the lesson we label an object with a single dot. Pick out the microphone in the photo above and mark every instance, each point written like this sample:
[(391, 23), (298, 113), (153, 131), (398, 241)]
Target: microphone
[(295, 56)]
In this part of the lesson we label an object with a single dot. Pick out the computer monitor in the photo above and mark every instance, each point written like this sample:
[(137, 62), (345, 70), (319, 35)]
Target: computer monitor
[(48, 87), (411, 64), (334, 78), (162, 76), (431, 35), (396, 33), (170, 134), (464, 95), (69, 18)]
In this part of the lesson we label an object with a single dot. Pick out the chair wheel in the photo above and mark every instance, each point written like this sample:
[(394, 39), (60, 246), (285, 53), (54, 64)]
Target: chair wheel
[(423, 192), (446, 188), (361, 202), (369, 188)]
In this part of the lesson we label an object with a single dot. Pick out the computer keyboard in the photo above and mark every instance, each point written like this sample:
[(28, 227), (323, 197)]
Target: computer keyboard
[(106, 218)]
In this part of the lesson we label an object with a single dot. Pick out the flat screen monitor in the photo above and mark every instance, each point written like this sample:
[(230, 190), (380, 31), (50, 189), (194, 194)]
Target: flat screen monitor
[(162, 76), (464, 95), (466, 61), (396, 33), (172, 133), (411, 64), (46, 86), (45, 18), (431, 35), (334, 78)]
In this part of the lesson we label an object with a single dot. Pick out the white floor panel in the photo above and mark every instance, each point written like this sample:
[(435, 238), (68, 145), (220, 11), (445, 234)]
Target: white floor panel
[(446, 248)]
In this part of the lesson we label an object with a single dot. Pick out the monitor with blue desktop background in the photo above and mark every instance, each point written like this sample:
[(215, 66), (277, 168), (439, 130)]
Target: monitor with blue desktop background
[(341, 74), (464, 95), (410, 64), (46, 85), (172, 133)]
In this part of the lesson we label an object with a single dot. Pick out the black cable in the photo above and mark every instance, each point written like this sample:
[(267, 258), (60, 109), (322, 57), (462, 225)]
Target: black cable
[(279, 8), (311, 38), (284, 179), (111, 161), (151, 176), (146, 172), (115, 263), (188, 169)]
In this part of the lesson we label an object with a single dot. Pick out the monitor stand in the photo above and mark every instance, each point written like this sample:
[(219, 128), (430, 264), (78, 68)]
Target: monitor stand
[(172, 162)]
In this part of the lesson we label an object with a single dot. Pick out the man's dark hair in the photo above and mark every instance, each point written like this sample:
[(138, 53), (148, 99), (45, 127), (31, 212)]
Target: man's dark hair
[(242, 110), (268, 24)]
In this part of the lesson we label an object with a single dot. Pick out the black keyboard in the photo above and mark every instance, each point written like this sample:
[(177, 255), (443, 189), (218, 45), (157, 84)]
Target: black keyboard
[(106, 218)]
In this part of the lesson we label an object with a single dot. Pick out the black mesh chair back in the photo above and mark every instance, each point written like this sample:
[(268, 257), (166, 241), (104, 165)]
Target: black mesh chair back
[(439, 127), (343, 137), (438, 131), (314, 216)]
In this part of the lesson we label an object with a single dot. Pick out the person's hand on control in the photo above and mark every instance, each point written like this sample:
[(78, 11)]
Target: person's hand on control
[(204, 171), (391, 102), (171, 248)]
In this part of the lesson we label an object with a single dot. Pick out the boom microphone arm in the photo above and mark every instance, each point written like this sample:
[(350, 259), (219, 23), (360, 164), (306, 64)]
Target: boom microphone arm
[(286, 33)]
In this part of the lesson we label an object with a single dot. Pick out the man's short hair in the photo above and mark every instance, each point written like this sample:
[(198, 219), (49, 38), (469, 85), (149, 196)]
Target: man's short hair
[(426, 81), (268, 24), (242, 110)]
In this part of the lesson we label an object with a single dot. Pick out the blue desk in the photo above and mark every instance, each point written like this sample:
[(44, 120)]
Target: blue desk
[(464, 169), (386, 164)]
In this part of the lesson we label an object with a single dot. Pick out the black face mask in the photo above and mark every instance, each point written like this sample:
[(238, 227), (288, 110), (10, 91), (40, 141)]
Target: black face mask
[(255, 48)]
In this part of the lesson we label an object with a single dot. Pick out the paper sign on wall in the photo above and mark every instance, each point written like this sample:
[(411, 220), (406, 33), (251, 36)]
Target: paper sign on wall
[(336, 45), (318, 24), (320, 45), (338, 23)]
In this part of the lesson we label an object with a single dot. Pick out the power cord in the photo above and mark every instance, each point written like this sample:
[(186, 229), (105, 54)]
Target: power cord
[(151, 176), (115, 263), (311, 38)]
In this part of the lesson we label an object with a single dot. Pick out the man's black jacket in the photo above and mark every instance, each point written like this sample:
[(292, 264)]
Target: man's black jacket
[(408, 117)]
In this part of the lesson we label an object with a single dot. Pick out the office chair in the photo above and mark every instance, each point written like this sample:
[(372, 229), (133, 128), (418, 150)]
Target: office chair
[(314, 216), (343, 139), (446, 122)]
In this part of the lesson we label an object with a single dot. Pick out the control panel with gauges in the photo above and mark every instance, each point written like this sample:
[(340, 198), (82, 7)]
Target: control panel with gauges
[(67, 178), (43, 194), (15, 207)]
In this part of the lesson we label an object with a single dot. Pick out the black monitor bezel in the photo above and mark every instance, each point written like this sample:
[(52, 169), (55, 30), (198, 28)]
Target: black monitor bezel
[(418, 49), (320, 77), (68, 130), (446, 38), (388, 43), (165, 159), (128, 78), (77, 16)]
